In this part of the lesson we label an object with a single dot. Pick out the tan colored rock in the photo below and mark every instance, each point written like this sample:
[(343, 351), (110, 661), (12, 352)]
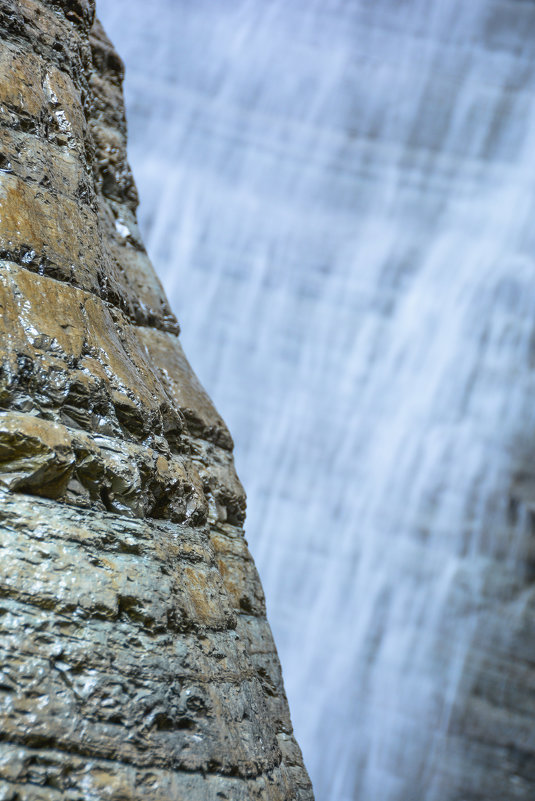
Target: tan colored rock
[(136, 659)]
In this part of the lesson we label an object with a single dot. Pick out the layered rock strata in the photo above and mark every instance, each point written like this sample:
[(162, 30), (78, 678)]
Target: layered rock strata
[(136, 659)]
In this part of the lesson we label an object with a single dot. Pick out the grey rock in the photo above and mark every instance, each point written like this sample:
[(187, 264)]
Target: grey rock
[(136, 658)]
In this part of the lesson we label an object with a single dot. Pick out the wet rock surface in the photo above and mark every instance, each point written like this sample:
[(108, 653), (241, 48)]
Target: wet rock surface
[(136, 659)]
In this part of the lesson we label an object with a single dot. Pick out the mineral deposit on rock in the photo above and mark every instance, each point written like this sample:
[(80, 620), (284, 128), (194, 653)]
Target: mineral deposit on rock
[(136, 659)]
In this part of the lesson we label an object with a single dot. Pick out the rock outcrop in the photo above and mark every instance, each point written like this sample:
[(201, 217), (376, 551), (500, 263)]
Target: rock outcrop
[(136, 659)]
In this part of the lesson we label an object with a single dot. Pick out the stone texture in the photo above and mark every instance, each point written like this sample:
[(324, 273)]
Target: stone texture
[(136, 659)]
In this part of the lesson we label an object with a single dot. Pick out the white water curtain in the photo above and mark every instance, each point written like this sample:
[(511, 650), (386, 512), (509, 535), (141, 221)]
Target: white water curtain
[(339, 197)]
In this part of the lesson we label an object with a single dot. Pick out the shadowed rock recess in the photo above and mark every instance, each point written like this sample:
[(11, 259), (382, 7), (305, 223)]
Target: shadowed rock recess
[(136, 659)]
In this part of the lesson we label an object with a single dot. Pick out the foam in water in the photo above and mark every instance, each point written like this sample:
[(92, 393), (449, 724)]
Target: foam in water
[(339, 197)]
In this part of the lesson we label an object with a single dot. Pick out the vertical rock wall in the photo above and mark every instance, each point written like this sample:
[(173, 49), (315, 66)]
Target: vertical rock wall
[(136, 659)]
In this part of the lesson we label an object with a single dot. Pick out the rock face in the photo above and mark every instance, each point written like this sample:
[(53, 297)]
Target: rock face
[(136, 659)]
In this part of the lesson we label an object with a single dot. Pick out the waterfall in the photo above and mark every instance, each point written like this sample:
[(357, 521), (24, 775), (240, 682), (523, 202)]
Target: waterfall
[(339, 196)]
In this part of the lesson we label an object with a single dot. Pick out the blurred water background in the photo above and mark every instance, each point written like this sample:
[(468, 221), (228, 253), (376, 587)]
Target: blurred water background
[(339, 196)]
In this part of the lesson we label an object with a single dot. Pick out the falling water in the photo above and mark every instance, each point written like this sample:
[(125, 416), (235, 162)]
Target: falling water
[(340, 198)]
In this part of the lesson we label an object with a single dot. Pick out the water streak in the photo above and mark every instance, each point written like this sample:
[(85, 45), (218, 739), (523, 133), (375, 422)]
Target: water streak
[(339, 196)]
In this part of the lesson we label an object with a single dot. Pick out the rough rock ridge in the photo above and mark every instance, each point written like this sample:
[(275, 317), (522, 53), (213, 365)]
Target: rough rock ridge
[(136, 659)]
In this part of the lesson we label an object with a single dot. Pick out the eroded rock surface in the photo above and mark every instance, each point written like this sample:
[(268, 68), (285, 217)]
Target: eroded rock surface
[(136, 659)]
